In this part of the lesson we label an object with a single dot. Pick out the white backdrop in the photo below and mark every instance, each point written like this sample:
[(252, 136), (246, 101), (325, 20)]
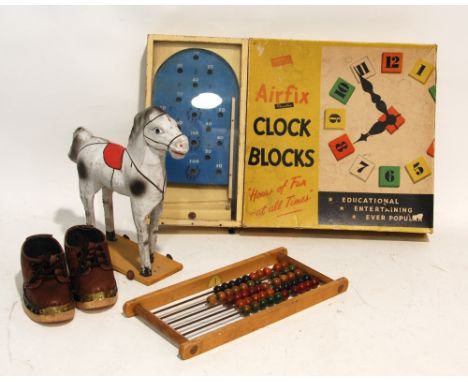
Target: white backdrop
[(62, 67)]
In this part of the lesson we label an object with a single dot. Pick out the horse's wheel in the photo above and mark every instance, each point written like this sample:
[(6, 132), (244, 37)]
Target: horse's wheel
[(169, 256), (126, 237), (130, 275)]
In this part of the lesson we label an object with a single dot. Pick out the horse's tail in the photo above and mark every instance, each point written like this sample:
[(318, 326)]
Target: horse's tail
[(80, 136)]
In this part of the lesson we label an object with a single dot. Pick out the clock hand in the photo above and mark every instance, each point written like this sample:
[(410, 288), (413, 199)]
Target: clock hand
[(379, 126)]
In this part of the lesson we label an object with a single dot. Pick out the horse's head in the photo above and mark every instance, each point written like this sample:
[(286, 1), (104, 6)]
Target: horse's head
[(161, 132)]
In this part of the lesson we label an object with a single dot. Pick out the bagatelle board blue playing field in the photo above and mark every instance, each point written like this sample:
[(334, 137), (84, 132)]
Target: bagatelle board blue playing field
[(199, 89)]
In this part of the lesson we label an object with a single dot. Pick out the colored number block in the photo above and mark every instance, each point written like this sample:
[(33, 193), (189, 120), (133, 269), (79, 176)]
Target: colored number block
[(430, 149), (362, 68), (341, 147), (392, 62), (432, 92), (342, 91), (389, 176), (399, 120), (421, 71), (335, 118), (362, 168), (418, 169)]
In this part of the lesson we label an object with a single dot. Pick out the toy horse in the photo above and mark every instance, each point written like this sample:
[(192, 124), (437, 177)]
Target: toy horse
[(137, 171)]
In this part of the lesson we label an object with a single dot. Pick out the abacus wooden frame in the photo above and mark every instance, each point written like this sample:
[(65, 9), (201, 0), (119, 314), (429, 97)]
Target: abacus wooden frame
[(143, 305)]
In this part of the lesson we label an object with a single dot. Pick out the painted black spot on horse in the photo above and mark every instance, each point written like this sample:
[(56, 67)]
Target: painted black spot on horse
[(137, 187), (82, 170)]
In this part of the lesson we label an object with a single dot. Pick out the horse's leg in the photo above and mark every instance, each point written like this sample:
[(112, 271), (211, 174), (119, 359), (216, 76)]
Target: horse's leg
[(140, 213), (108, 213), (87, 198), (153, 228)]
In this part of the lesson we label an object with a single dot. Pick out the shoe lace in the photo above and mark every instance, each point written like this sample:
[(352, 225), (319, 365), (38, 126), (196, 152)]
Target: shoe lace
[(91, 257), (48, 269)]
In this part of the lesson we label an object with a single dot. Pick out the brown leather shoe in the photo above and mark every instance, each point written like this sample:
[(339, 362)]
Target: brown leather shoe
[(47, 294), (92, 277)]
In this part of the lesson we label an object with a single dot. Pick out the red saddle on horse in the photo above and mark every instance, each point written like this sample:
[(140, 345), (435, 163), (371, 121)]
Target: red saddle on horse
[(113, 155)]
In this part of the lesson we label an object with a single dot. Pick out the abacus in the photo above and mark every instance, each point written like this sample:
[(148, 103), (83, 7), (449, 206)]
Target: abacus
[(207, 311)]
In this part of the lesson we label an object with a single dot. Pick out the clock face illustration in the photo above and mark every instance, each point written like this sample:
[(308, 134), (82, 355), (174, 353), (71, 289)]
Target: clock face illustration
[(377, 130)]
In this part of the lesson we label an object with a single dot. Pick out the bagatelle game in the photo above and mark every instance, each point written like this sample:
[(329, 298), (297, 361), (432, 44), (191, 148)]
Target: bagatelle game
[(305, 134)]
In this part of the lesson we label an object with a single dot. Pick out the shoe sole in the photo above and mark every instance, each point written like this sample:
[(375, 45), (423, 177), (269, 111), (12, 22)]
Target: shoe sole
[(97, 304), (64, 316)]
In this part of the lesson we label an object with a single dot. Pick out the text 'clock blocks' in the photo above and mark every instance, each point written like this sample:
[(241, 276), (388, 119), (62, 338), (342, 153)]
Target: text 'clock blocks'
[(341, 147)]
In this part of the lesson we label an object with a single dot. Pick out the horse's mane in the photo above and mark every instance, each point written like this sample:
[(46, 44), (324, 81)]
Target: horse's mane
[(140, 120)]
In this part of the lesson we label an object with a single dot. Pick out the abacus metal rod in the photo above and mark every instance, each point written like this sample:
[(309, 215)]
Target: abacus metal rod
[(190, 314), (183, 302), (211, 323), (203, 318)]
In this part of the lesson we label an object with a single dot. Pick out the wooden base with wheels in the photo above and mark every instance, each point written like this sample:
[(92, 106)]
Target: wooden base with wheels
[(126, 260)]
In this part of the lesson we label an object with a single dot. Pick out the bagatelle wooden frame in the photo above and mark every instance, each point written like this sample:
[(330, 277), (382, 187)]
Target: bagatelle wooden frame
[(183, 292)]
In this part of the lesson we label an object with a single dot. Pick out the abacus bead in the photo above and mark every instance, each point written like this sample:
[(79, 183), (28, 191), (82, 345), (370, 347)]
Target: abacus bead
[(285, 270), (245, 278), (285, 294), (292, 267), (315, 282), (270, 292), (231, 283), (253, 276), (243, 286), (276, 281), (252, 291), (263, 304), (224, 286), (235, 289), (283, 278), (250, 283), (244, 293), (255, 307), (246, 309), (237, 296), (212, 300), (287, 285), (217, 288), (277, 267), (298, 272), (228, 291), (278, 298), (240, 303), (273, 274), (238, 281), (260, 274), (256, 297), (277, 288), (267, 271), (258, 282), (221, 296), (301, 287), (291, 276), (263, 295), (270, 301), (248, 300), (306, 276)]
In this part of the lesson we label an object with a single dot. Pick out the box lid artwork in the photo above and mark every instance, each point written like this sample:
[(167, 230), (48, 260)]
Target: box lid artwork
[(331, 135)]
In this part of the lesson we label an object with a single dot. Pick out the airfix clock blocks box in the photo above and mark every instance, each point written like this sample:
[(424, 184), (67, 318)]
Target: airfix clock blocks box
[(322, 135)]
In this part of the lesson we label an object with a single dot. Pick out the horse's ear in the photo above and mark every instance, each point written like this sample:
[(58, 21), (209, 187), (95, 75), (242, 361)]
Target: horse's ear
[(139, 122)]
